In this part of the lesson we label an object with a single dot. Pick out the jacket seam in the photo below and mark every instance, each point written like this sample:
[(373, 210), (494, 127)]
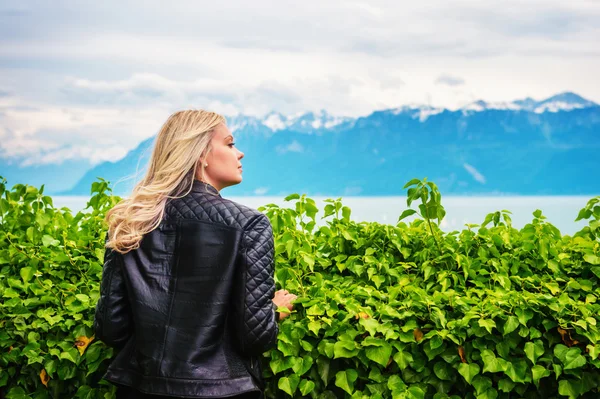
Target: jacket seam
[(181, 379), (110, 289), (249, 226), (172, 296)]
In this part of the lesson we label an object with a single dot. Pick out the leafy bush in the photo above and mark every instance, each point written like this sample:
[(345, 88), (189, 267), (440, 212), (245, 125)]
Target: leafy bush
[(50, 270), (403, 311)]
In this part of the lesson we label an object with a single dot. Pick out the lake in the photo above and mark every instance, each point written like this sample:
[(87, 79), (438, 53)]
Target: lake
[(561, 211)]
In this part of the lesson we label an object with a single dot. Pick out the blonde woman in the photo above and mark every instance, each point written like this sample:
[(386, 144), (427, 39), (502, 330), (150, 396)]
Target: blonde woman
[(187, 292)]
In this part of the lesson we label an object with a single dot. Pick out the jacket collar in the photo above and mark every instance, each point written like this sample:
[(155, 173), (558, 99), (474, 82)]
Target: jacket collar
[(202, 187)]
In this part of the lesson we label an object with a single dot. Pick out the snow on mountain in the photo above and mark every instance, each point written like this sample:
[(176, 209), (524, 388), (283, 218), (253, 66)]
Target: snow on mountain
[(275, 121), (304, 122), (308, 122), (561, 102), (421, 112), (481, 105)]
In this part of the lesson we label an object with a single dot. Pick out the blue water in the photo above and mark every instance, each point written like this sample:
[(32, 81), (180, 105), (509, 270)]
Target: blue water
[(561, 211)]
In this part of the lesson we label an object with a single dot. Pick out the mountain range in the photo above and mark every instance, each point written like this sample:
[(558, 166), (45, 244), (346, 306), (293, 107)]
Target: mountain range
[(526, 147)]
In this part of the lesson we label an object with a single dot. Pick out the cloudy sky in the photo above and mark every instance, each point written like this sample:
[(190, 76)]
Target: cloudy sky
[(90, 80)]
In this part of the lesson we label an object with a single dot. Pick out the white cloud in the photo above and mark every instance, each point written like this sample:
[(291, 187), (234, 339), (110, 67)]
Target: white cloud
[(42, 134), (474, 173), (261, 191), (450, 80), (87, 80), (294, 146), (353, 190)]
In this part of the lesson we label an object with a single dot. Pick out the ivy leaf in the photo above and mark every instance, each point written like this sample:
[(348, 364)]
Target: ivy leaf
[(289, 384), (406, 213), (345, 349), (506, 385), (442, 371), (592, 259), (571, 358), (345, 379), (534, 350), (517, 371), (538, 373), (414, 392), (468, 371), (49, 241), (488, 324), (510, 325), (381, 354), (491, 363), (17, 393), (568, 388), (403, 359), (26, 273), (306, 387), (70, 355)]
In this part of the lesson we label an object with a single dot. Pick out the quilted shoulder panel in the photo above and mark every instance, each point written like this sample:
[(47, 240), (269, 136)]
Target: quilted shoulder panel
[(209, 207)]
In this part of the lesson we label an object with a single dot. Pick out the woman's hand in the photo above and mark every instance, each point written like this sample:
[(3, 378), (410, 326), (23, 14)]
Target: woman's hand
[(283, 299)]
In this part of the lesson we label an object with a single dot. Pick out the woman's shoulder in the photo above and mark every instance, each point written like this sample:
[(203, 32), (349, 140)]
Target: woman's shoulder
[(215, 209)]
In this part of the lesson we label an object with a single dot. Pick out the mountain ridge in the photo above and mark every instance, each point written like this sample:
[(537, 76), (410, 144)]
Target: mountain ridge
[(477, 149)]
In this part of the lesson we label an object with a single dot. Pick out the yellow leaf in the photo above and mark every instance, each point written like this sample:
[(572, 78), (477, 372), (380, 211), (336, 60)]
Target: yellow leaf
[(418, 334), (44, 377), (362, 315), (82, 343), (461, 353)]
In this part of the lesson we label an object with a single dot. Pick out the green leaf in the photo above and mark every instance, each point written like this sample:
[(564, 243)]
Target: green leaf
[(26, 273), (303, 365), (49, 241), (592, 259), (468, 371), (403, 359), (306, 387), (517, 370), (414, 392), (292, 197), (406, 213), (511, 325), (491, 363), (323, 367), (412, 182), (506, 385), (488, 324), (568, 388), (395, 383), (289, 384), (534, 350), (381, 354), (481, 384), (538, 373), (345, 349), (346, 213), (71, 355), (571, 358), (443, 371), (17, 393), (345, 379)]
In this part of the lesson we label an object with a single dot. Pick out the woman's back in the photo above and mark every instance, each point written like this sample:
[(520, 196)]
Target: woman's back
[(187, 286), (198, 291)]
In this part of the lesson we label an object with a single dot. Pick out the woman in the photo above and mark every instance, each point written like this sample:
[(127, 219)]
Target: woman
[(187, 292)]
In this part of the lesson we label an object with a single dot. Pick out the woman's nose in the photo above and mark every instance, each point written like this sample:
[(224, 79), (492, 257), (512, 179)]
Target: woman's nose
[(240, 155)]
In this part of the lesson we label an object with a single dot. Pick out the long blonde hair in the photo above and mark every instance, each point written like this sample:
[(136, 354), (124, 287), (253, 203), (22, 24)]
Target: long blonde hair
[(182, 141)]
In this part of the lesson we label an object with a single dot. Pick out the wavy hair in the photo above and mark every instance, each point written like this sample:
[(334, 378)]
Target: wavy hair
[(182, 141)]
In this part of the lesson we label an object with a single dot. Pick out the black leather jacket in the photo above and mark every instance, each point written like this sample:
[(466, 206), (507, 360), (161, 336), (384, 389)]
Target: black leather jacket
[(191, 309)]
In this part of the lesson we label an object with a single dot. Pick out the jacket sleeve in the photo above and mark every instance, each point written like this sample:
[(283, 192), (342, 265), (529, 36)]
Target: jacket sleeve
[(253, 310), (112, 321)]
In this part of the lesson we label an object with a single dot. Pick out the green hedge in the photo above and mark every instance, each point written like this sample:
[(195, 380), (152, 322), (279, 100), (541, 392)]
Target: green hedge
[(404, 311)]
